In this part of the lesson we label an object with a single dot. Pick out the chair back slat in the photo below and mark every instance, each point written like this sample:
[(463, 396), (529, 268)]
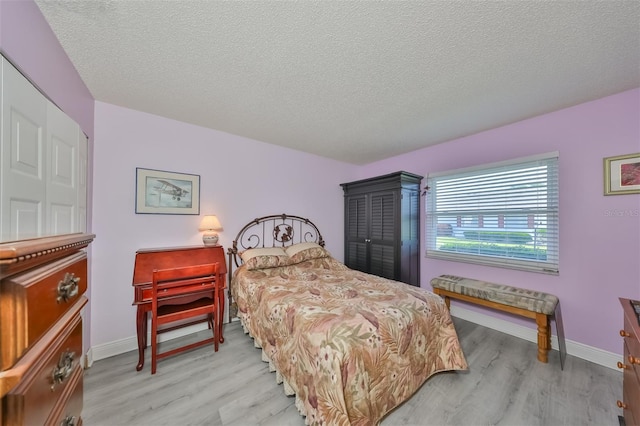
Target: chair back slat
[(191, 291)]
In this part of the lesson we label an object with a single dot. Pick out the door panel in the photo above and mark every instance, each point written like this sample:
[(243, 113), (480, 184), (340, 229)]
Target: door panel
[(410, 246), (357, 256), (23, 186), (383, 235), (83, 155), (25, 218), (357, 231), (62, 184), (357, 218), (382, 261), (383, 220)]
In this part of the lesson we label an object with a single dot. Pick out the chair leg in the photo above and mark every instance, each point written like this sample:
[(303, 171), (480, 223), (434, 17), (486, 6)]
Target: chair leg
[(212, 322), (154, 344)]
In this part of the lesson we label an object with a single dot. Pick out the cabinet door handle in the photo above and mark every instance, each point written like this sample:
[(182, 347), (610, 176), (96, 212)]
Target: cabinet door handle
[(367, 240), (624, 333), (68, 287), (621, 404), (63, 369), (634, 360), (622, 366)]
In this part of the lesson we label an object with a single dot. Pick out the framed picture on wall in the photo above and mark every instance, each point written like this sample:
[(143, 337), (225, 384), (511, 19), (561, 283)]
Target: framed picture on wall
[(622, 174), (161, 192)]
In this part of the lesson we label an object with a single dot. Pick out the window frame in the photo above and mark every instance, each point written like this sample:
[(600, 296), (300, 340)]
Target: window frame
[(537, 205)]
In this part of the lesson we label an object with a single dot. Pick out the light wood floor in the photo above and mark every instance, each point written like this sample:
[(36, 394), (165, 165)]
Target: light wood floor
[(505, 385)]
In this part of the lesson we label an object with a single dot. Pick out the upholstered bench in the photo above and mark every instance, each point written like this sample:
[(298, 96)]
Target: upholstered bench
[(527, 303)]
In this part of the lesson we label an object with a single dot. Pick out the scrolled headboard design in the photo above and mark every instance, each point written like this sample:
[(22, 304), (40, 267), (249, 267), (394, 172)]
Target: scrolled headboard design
[(278, 230)]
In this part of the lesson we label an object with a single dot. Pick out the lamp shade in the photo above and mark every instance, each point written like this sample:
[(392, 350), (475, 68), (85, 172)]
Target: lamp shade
[(210, 223)]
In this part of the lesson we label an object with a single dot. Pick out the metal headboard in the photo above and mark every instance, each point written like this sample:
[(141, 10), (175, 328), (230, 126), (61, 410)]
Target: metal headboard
[(278, 230)]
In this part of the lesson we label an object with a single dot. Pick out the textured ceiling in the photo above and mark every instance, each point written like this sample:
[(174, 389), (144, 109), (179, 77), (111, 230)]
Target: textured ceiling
[(356, 81)]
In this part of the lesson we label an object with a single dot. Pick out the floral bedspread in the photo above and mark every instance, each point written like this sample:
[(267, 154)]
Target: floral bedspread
[(352, 346)]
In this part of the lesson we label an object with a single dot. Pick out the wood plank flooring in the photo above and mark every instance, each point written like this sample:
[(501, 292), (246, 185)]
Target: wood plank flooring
[(505, 385)]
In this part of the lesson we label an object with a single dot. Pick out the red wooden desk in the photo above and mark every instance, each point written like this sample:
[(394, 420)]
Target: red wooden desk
[(171, 257)]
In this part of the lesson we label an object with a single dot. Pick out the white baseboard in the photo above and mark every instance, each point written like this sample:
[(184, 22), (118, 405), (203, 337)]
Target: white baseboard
[(128, 344), (589, 353), (88, 358)]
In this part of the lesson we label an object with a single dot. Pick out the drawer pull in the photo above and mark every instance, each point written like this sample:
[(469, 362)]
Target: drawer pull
[(621, 405), (634, 360), (623, 366), (63, 369), (68, 287), (68, 421), (624, 333)]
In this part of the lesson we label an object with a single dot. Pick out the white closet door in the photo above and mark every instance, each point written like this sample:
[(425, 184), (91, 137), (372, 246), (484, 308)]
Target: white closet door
[(83, 156), (23, 185), (62, 183)]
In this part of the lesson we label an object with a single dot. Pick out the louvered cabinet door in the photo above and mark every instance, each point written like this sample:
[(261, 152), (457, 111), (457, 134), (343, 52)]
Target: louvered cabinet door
[(356, 232), (383, 240), (410, 237)]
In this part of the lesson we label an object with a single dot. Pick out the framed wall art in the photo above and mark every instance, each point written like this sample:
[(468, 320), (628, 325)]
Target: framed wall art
[(622, 174), (161, 192)]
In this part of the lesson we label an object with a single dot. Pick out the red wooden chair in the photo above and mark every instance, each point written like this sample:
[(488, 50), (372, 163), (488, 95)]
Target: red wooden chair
[(181, 297)]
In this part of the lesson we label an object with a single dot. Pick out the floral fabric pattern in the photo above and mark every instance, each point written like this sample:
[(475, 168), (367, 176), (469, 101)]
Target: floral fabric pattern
[(260, 258), (267, 261), (352, 346), (308, 254)]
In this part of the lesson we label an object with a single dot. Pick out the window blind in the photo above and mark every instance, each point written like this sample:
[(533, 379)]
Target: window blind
[(503, 214)]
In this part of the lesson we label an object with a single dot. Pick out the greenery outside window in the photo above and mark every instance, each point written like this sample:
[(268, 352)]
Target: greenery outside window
[(502, 214)]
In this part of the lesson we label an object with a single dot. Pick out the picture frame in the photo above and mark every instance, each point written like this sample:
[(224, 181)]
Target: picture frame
[(622, 174), (163, 192)]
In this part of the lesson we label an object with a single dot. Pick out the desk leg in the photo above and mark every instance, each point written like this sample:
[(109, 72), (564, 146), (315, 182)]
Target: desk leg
[(141, 329), (220, 315)]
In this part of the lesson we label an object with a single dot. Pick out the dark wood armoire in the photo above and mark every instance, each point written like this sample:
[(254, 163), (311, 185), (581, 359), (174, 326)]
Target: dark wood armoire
[(382, 226)]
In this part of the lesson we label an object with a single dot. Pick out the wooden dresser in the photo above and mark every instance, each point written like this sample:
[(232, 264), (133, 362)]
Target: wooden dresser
[(631, 366), (42, 293)]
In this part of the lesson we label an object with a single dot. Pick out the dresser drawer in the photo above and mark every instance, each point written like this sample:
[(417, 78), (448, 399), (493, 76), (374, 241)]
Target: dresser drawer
[(631, 390), (630, 339), (31, 302), (68, 412), (630, 402), (51, 384)]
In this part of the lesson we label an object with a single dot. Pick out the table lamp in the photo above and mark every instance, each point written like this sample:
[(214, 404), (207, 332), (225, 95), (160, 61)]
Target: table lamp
[(210, 224)]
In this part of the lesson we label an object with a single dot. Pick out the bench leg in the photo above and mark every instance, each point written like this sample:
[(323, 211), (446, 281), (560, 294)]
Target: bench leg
[(544, 337), (447, 301)]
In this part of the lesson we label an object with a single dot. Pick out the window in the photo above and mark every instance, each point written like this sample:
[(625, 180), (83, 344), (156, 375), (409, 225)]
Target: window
[(503, 214)]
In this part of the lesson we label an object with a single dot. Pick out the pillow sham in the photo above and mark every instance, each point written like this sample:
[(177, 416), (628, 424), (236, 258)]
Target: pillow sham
[(263, 258), (306, 251)]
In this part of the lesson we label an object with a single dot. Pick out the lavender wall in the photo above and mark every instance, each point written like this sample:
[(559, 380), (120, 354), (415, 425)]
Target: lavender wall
[(28, 42), (241, 179), (599, 236)]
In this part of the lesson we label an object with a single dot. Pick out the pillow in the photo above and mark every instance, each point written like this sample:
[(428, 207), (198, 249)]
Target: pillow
[(306, 251), (262, 258)]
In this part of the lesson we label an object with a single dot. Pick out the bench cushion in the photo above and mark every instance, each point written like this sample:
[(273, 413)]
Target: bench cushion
[(530, 300)]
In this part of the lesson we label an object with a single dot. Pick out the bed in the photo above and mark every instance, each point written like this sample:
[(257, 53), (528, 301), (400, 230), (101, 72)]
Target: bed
[(350, 346)]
